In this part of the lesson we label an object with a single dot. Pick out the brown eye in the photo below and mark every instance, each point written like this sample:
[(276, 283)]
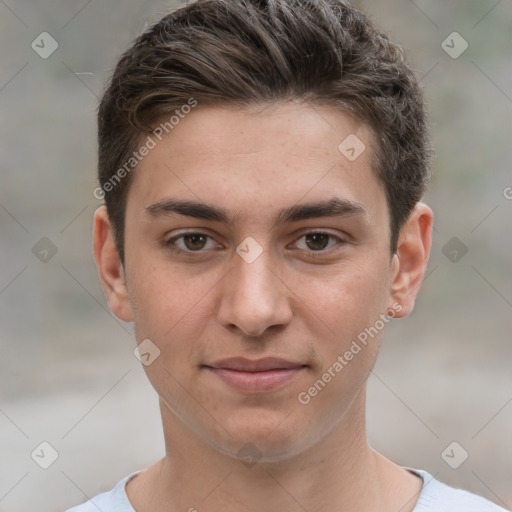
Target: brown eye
[(194, 241), (189, 243), (317, 241)]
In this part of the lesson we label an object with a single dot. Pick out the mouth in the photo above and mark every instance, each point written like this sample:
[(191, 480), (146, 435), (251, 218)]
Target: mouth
[(256, 375)]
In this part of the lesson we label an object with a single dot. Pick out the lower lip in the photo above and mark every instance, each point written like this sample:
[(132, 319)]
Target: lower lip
[(257, 382)]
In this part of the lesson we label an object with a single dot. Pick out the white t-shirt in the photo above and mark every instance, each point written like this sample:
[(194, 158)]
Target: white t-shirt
[(434, 497)]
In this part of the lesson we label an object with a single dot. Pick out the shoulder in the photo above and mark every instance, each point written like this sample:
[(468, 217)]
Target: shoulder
[(438, 497), (114, 500)]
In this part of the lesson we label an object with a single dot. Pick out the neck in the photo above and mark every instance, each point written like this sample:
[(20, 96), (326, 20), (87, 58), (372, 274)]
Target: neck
[(339, 472)]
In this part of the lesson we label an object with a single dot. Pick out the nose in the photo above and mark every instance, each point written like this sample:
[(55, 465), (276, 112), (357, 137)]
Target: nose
[(254, 297)]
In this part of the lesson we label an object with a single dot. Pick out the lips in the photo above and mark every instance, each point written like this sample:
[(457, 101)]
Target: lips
[(256, 375), (255, 365)]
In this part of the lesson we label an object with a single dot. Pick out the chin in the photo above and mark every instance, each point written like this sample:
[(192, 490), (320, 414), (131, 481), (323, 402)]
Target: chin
[(263, 437)]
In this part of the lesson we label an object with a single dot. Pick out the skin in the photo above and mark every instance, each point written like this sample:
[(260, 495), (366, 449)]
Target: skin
[(303, 299)]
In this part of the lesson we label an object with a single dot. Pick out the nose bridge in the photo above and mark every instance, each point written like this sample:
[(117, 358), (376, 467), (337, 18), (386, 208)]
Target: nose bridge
[(254, 279), (253, 298)]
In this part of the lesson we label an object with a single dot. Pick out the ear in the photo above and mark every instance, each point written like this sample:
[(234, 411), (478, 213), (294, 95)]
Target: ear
[(109, 265), (410, 260)]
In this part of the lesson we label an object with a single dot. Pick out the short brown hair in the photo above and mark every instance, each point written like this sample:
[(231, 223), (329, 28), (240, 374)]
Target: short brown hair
[(243, 53)]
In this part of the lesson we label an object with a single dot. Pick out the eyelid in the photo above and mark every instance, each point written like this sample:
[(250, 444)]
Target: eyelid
[(340, 241), (170, 242), (322, 231)]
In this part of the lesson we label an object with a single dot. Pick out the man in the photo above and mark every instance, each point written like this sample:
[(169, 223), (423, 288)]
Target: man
[(263, 164)]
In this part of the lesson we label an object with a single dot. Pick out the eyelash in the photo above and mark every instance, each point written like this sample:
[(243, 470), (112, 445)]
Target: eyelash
[(171, 245)]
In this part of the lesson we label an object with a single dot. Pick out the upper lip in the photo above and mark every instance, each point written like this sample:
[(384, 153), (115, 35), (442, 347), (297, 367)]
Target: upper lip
[(254, 365)]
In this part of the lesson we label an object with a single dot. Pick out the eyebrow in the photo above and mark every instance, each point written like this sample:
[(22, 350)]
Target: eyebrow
[(329, 208)]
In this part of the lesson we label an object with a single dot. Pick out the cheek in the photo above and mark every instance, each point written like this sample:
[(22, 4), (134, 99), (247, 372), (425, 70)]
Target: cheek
[(174, 312), (347, 356), (350, 305), (163, 296), (347, 302)]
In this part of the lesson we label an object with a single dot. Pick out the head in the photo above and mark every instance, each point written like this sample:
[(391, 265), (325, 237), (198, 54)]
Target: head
[(262, 164), (257, 53)]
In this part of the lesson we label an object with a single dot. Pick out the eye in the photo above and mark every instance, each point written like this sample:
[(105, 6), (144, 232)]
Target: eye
[(318, 241), (197, 242), (189, 242)]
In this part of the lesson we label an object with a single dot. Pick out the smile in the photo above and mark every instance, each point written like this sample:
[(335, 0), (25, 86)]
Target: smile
[(256, 376)]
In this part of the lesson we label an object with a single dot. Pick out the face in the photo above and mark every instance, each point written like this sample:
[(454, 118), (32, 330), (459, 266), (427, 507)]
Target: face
[(258, 265)]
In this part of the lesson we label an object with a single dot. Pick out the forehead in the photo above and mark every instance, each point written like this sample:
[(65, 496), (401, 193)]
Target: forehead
[(260, 159)]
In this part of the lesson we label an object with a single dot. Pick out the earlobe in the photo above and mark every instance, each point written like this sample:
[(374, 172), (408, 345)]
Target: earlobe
[(110, 268), (411, 258)]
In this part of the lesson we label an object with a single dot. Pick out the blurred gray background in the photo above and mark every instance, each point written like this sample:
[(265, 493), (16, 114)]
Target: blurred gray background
[(67, 371)]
